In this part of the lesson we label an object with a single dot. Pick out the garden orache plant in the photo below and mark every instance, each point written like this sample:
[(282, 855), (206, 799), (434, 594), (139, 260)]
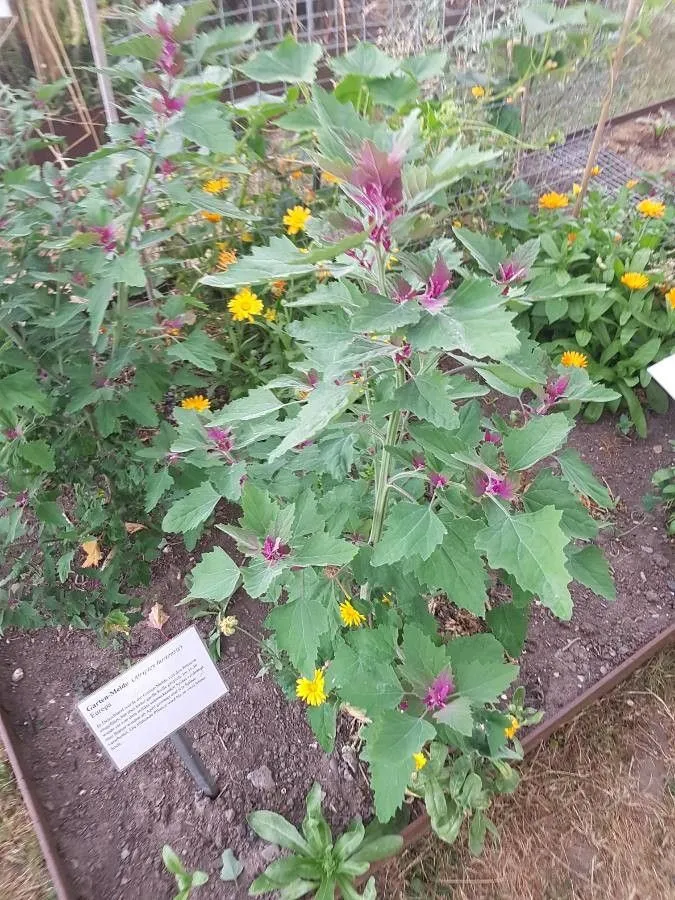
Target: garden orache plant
[(185, 880), (381, 482), (315, 864)]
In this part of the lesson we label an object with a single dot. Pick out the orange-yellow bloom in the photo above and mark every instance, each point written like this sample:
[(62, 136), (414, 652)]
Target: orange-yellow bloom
[(635, 281), (296, 218), (270, 314), (631, 183), (216, 185), (350, 615), (329, 178), (478, 91), (553, 200), (670, 297), (226, 258), (198, 402), (596, 170), (420, 760), (510, 730), (651, 209), (571, 237), (312, 690), (211, 216), (279, 287), (572, 359), (245, 305)]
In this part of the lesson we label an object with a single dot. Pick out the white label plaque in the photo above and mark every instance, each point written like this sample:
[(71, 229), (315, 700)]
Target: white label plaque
[(135, 711), (664, 373)]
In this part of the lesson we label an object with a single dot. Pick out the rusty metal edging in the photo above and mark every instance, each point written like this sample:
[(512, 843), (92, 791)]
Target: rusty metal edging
[(623, 117), (420, 826), (60, 880), (416, 830)]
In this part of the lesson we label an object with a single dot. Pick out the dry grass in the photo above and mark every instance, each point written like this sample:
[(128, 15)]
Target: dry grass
[(22, 871), (593, 819)]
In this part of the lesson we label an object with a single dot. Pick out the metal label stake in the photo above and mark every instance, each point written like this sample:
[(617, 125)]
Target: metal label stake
[(194, 763)]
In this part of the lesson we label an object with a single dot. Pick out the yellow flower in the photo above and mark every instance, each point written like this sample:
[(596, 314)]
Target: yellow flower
[(295, 219), (245, 305), (329, 178), (571, 237), (279, 287), (456, 223), (216, 185), (228, 625), (226, 258), (670, 297), (651, 209), (198, 402), (635, 281), (550, 64), (247, 238), (596, 170), (572, 359), (510, 730), (631, 183), (297, 174), (211, 217), (391, 261), (350, 615), (553, 200), (270, 314), (478, 91), (576, 189), (420, 760), (312, 690)]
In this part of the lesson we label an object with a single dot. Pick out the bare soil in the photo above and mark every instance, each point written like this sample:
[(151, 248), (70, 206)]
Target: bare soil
[(637, 141), (110, 827)]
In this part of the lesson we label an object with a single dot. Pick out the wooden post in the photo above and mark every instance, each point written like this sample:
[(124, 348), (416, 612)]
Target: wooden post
[(614, 71), (93, 23)]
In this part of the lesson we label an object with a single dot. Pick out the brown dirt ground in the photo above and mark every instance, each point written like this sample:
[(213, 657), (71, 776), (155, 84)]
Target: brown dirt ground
[(593, 819), (110, 827), (636, 141)]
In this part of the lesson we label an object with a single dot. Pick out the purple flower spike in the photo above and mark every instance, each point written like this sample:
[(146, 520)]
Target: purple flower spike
[(439, 690), (106, 237), (221, 437), (492, 437), (274, 550), (438, 481), (402, 291), (495, 486), (12, 433), (556, 387), (438, 283), (378, 180), (21, 500), (140, 137), (418, 461), (403, 353), (510, 272)]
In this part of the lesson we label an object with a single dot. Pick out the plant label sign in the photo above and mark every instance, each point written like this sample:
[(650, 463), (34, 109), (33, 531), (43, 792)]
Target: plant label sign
[(664, 373), (140, 708)]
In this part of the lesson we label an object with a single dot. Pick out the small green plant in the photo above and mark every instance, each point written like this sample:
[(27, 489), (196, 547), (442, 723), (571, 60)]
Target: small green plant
[(662, 124), (663, 481), (317, 865), (185, 881)]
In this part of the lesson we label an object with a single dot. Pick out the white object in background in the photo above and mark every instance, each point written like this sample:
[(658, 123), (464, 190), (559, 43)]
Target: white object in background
[(140, 708), (664, 373), (5, 11)]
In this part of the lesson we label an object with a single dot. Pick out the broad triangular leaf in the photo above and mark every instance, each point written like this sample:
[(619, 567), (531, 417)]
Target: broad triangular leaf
[(368, 684), (299, 626), (589, 566), (478, 667), (411, 529), (289, 62), (215, 577), (538, 438), (456, 567), (191, 510)]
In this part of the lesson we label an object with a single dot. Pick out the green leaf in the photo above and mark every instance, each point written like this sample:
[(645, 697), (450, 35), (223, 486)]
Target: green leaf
[(126, 268), (136, 406), (299, 625), (325, 403), (215, 577), (63, 565), (426, 66), (50, 513), (538, 438), (142, 46), (367, 60), (426, 397), (38, 454), (367, 684), (580, 476), (323, 722), (410, 529), (231, 868), (98, 298), (274, 829), (199, 349), (380, 316), (377, 848), (279, 259), (257, 403), (289, 62), (479, 671), (171, 861), (423, 660), (391, 741), (589, 566), (323, 549), (456, 567), (157, 484), (208, 125), (508, 622), (531, 547), (192, 510), (457, 714), (488, 252), (549, 490), (175, 190), (20, 389)]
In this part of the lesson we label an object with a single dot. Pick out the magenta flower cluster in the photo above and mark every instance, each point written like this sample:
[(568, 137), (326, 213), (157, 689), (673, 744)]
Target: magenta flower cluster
[(274, 550), (438, 692)]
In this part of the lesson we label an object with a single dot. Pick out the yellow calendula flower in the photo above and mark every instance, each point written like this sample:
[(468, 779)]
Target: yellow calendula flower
[(228, 625), (631, 183), (247, 238), (571, 237), (420, 760), (572, 359), (216, 185), (478, 91), (226, 258), (596, 170), (670, 297), (553, 200), (312, 690), (198, 402), (510, 730), (297, 174), (635, 281), (270, 314), (350, 615), (211, 217), (651, 209), (576, 189), (296, 218), (329, 178), (245, 305)]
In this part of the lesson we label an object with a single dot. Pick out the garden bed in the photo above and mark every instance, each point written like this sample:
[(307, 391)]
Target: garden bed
[(110, 827)]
